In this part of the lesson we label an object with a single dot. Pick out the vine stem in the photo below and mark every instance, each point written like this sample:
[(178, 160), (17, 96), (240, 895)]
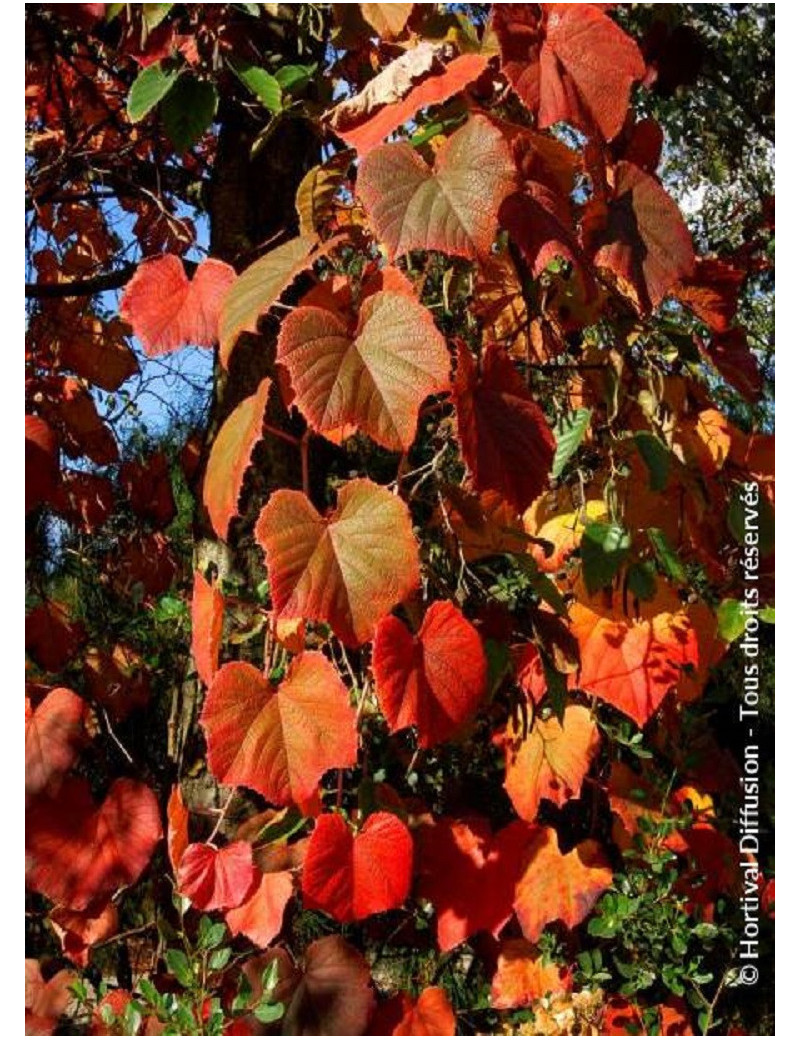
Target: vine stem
[(223, 812)]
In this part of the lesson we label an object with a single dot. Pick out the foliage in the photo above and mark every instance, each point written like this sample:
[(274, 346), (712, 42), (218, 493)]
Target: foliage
[(391, 686)]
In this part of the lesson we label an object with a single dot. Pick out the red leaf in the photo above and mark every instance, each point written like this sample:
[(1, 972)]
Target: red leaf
[(167, 311), (633, 665), (78, 852), (469, 875), (434, 680), (568, 62), (334, 997), (85, 499), (148, 486), (556, 887), (522, 976), (452, 208), (73, 412), (367, 119), (117, 679), (712, 292), (730, 354), (54, 736), (279, 742), (51, 638), (230, 457), (79, 931), (431, 1014), (208, 609), (177, 827), (504, 435), (41, 463), (373, 379), (351, 877), (551, 761), (347, 569), (260, 917), (216, 879), (645, 241)]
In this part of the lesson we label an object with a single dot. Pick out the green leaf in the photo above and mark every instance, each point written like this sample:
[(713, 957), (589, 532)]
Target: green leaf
[(189, 110), (556, 689), (266, 1012), (642, 580), (656, 457), (219, 958), (731, 617), (666, 556), (150, 86), (603, 549), (544, 588), (260, 83), (210, 934), (283, 828), (154, 14), (178, 965), (294, 77), (569, 434)]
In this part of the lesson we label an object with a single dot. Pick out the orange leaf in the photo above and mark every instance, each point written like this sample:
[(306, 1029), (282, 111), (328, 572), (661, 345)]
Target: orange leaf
[(452, 208), (434, 680), (230, 457), (374, 379), (79, 931), (45, 1002), (550, 762), (633, 665), (388, 20), (208, 609), (381, 107), (522, 976), (280, 741), (167, 311), (257, 288), (557, 887), (260, 917), (431, 1014), (347, 569)]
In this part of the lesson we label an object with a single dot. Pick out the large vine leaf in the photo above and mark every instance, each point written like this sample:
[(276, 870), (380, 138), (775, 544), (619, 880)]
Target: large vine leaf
[(434, 680), (347, 569), (229, 458), (504, 435), (452, 208), (568, 62), (469, 875), (633, 665), (549, 761), (279, 741), (557, 887), (353, 876), (257, 288), (431, 1014), (374, 379), (167, 311), (77, 852), (55, 732)]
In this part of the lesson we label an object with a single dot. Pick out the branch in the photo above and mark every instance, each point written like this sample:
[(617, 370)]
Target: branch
[(80, 286)]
